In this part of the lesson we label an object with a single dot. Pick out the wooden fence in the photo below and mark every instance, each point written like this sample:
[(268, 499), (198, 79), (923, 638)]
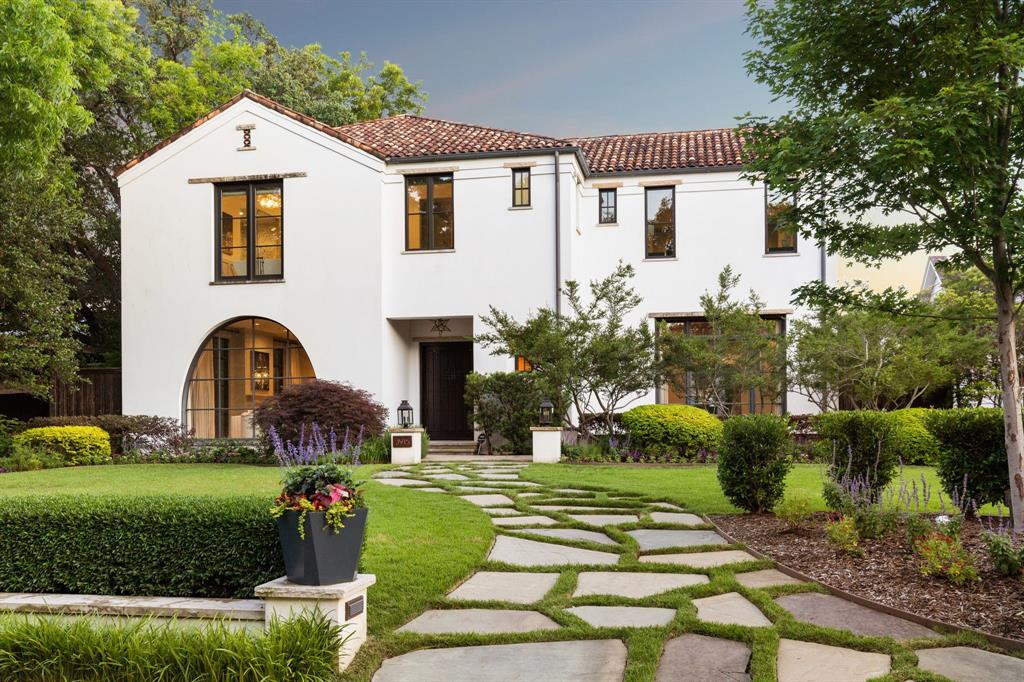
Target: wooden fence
[(98, 393)]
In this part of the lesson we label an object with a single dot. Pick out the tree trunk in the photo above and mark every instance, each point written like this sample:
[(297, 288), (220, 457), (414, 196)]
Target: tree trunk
[(1014, 429)]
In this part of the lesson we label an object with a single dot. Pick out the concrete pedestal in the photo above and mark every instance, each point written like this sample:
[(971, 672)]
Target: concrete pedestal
[(342, 603), (547, 444), (406, 445)]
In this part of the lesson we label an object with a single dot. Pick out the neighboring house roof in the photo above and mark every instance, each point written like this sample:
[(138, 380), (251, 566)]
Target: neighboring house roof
[(408, 137)]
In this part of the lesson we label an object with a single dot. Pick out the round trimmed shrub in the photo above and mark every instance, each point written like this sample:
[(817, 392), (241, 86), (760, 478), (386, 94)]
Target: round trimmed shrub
[(76, 444), (913, 442), (329, 404), (682, 430), (754, 460), (861, 447), (972, 446)]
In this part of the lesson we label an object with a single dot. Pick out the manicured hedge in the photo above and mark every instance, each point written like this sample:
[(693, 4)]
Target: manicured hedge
[(860, 447), (754, 460), (76, 444), (912, 441), (973, 446), (128, 432), (174, 546), (675, 429)]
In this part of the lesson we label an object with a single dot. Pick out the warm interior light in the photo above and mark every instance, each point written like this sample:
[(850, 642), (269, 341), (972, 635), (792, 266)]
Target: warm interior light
[(269, 202)]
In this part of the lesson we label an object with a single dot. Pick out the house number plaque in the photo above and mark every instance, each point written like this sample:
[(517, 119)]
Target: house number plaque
[(401, 442)]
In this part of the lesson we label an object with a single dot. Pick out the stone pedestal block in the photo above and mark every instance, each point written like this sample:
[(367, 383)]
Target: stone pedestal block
[(547, 444), (406, 445), (342, 603)]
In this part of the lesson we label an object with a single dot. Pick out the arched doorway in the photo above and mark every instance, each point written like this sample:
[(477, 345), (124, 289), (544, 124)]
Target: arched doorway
[(241, 364)]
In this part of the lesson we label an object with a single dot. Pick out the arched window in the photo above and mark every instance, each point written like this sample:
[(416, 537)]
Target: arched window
[(241, 364)]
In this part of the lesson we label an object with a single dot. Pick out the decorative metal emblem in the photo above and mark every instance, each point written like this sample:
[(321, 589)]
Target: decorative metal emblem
[(441, 326), (246, 129)]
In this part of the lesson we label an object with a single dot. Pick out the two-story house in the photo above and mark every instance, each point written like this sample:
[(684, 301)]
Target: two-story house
[(261, 248)]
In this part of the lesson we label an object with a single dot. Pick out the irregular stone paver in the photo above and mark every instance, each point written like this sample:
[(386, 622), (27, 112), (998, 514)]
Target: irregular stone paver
[(670, 507), (650, 538), (499, 477), (700, 559), (730, 608), (510, 521), (488, 500), (592, 661), (471, 489), (682, 519), (516, 588), (501, 471), (402, 482), (529, 494), (604, 519), (574, 534), (832, 612), (521, 552), (697, 658), (581, 508), (449, 477), (967, 664), (623, 616), (769, 577), (573, 491), (430, 490), (509, 484), (479, 621), (634, 585), (806, 662), (502, 511), (392, 473)]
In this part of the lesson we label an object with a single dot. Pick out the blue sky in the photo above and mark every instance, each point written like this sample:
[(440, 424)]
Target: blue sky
[(557, 68)]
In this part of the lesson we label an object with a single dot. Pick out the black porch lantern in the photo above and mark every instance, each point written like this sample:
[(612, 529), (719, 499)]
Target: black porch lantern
[(405, 414), (547, 412)]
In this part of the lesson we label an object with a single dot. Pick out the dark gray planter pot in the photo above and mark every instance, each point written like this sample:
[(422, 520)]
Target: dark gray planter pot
[(324, 557)]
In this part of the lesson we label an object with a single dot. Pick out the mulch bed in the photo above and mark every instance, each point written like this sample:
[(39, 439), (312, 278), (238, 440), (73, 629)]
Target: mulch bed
[(888, 572)]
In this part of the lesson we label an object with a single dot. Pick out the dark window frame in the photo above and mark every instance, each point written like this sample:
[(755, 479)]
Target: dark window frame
[(768, 231), (647, 219), (528, 190), (250, 244), (601, 192), (430, 178)]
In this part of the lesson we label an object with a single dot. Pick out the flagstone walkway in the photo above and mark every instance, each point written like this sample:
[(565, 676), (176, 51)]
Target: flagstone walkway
[(573, 572)]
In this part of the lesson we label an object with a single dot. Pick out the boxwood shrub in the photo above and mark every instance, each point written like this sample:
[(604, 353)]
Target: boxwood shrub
[(76, 444), (754, 459), (682, 430), (913, 442), (861, 447), (972, 446), (175, 546)]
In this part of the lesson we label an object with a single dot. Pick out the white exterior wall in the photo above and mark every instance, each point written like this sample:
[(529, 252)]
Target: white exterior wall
[(353, 297)]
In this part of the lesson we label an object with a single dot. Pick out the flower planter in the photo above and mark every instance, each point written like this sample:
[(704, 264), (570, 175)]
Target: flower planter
[(323, 557)]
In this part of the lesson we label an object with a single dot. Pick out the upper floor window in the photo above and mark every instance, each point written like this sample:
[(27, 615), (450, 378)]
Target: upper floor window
[(250, 231), (429, 212), (780, 234), (661, 222), (520, 186), (522, 364), (607, 206)]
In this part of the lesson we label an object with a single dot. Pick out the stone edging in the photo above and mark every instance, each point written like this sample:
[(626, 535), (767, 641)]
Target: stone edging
[(1003, 642)]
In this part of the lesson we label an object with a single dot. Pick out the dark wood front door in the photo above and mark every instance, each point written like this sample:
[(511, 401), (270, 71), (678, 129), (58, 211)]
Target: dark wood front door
[(443, 370)]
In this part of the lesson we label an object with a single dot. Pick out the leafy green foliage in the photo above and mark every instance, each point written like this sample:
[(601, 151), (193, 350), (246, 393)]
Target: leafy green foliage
[(31, 458), (681, 430), (589, 358), (973, 452), (913, 443), (1006, 554), (843, 534), (329, 404), (505, 404), (863, 454), (76, 444), (754, 460), (8, 428), (173, 545), (794, 511), (301, 649), (129, 433), (943, 555), (741, 351)]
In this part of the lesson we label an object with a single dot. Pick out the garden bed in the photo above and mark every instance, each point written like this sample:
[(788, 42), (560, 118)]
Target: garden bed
[(888, 573)]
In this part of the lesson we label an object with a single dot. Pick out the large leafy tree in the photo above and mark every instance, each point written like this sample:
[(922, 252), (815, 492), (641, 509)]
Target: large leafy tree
[(913, 107)]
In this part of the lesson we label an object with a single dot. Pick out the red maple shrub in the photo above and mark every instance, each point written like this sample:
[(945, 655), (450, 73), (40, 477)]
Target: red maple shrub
[(329, 404)]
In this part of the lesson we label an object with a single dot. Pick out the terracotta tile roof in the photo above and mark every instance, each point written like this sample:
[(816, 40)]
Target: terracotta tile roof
[(662, 151), (406, 135)]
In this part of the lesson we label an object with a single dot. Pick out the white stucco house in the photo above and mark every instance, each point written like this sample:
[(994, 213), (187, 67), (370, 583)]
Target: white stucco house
[(261, 247)]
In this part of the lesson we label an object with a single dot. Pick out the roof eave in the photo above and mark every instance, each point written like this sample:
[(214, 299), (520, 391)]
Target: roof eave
[(725, 168)]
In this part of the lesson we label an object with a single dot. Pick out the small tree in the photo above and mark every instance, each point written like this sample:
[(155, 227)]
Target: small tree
[(505, 404), (740, 351), (594, 361)]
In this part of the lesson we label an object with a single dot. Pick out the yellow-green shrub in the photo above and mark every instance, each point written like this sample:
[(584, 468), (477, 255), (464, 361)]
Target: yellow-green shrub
[(76, 444), (911, 440), (681, 430)]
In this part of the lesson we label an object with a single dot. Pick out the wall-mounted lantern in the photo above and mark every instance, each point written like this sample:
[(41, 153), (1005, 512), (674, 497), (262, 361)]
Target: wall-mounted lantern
[(405, 414)]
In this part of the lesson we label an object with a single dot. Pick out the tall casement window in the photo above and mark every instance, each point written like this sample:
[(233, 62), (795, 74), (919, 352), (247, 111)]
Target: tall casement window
[(429, 212), (661, 222), (240, 365), (695, 388), (522, 364), (250, 231), (607, 200), (520, 187), (780, 234)]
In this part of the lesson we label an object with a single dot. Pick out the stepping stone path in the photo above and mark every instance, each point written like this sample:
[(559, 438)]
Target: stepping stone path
[(646, 597), (833, 612), (807, 661), (697, 658)]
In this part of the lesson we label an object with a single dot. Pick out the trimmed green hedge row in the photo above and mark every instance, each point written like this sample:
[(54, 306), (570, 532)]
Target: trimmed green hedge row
[(173, 546), (682, 430), (76, 444)]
